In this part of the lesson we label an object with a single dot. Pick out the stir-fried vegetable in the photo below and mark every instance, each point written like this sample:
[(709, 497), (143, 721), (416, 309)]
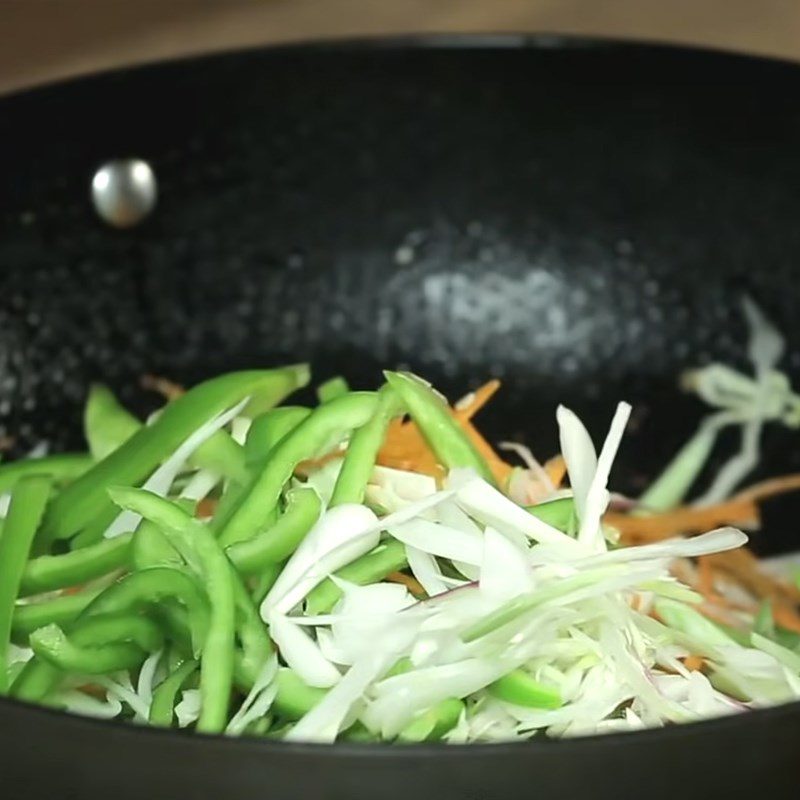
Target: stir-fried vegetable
[(372, 569)]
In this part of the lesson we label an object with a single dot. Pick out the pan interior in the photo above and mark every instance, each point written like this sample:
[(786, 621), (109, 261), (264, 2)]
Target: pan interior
[(581, 222)]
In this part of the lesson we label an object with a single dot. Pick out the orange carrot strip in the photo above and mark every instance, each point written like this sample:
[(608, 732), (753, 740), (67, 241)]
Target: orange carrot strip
[(404, 436), (682, 569), (93, 690), (163, 386), (705, 577), (469, 406), (500, 469), (786, 617), (770, 488), (205, 508), (685, 519), (412, 584), (309, 465), (744, 566), (405, 448), (423, 466), (694, 663), (556, 469)]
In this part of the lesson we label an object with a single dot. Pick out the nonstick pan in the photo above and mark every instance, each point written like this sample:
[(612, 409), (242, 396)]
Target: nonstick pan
[(578, 218)]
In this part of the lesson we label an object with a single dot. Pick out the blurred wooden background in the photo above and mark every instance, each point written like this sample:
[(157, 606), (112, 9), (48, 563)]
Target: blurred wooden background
[(43, 39)]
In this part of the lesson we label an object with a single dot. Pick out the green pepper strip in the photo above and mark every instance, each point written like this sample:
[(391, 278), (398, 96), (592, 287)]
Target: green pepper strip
[(46, 573), (268, 429), (60, 610), (334, 419), (232, 494), (331, 389), (434, 723), (86, 500), (175, 620), (259, 727), (252, 634), (519, 688), (107, 424), (358, 732), (558, 513), (149, 586), (151, 548), (387, 557), (362, 451), (28, 502), (60, 468), (444, 436), (196, 543), (35, 681), (38, 678), (222, 454), (295, 698), (157, 551), (266, 580), (280, 541), (162, 707), (126, 648)]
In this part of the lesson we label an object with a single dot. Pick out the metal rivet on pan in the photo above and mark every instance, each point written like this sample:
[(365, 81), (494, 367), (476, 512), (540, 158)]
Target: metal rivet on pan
[(124, 191)]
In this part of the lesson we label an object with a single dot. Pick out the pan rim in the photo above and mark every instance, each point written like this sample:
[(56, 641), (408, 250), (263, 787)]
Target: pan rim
[(406, 42), (572, 746)]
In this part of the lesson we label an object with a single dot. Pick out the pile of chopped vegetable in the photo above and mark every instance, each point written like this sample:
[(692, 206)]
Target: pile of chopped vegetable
[(372, 569)]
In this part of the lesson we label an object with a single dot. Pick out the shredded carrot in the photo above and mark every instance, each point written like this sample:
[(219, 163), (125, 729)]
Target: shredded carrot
[(684, 571), (706, 585), (694, 578), (785, 616), (206, 508), (705, 577), (404, 437), (412, 584), (770, 488), (465, 411), (556, 469), (694, 663), (93, 690), (405, 448), (469, 406), (500, 469), (744, 567), (163, 386), (685, 520), (309, 465)]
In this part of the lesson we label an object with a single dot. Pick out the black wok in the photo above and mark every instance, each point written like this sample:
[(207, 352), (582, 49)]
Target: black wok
[(578, 218)]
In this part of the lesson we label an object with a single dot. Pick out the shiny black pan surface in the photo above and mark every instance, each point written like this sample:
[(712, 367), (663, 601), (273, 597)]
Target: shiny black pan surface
[(578, 218)]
